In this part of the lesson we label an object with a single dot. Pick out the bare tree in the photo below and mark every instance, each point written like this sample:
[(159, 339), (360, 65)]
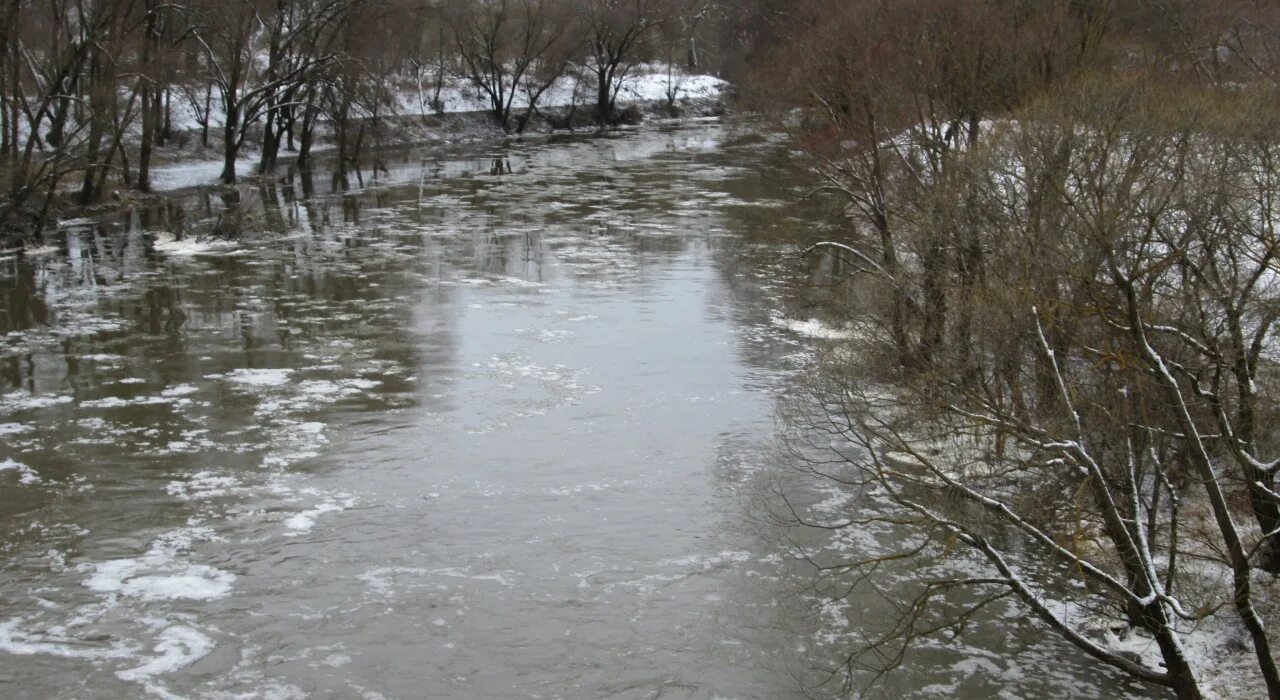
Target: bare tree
[(1117, 354), (234, 34), (500, 45), (615, 30)]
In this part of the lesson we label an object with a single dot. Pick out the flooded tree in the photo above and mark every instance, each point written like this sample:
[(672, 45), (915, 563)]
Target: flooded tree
[(1061, 288)]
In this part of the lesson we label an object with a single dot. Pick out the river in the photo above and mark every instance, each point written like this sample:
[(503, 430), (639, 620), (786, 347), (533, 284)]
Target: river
[(493, 424)]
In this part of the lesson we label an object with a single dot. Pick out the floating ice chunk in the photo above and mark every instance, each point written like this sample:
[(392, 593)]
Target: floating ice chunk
[(302, 522), (178, 647), (167, 243), (160, 574), (24, 400), (117, 402), (260, 377), (80, 221), (151, 579)]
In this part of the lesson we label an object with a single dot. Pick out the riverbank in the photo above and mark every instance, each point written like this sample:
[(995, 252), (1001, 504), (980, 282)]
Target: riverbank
[(459, 117)]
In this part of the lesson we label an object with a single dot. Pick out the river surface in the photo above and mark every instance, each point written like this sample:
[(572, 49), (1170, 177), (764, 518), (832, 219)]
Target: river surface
[(492, 425)]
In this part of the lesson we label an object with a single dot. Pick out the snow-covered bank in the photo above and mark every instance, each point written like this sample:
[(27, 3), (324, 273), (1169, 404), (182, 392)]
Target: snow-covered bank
[(464, 115)]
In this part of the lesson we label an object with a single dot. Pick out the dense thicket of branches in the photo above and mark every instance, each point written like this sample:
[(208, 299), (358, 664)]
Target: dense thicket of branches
[(88, 88), (1058, 256)]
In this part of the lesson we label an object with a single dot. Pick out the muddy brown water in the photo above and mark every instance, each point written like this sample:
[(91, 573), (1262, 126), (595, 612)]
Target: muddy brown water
[(488, 427)]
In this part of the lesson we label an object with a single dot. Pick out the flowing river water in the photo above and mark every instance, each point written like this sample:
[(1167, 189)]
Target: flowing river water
[(492, 425)]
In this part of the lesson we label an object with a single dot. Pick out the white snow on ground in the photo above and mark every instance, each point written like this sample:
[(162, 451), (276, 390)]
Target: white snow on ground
[(648, 84), (194, 173), (1219, 651), (178, 647), (26, 475)]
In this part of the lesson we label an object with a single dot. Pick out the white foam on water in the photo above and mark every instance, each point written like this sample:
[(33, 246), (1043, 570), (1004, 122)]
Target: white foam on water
[(15, 640), (178, 647), (260, 377), (149, 579), (161, 574), (26, 475), (301, 523), (380, 579), (15, 428), (202, 485)]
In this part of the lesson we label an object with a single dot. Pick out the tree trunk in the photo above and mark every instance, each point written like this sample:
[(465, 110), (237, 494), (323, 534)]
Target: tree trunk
[(230, 148), (204, 125), (604, 110), (304, 139), (166, 131), (88, 188), (148, 126), (270, 144)]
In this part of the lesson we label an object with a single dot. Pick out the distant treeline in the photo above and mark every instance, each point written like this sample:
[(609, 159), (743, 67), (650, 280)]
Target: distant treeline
[(89, 88)]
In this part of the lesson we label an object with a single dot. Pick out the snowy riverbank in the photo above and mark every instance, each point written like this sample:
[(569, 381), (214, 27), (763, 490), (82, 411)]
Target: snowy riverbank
[(464, 116)]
